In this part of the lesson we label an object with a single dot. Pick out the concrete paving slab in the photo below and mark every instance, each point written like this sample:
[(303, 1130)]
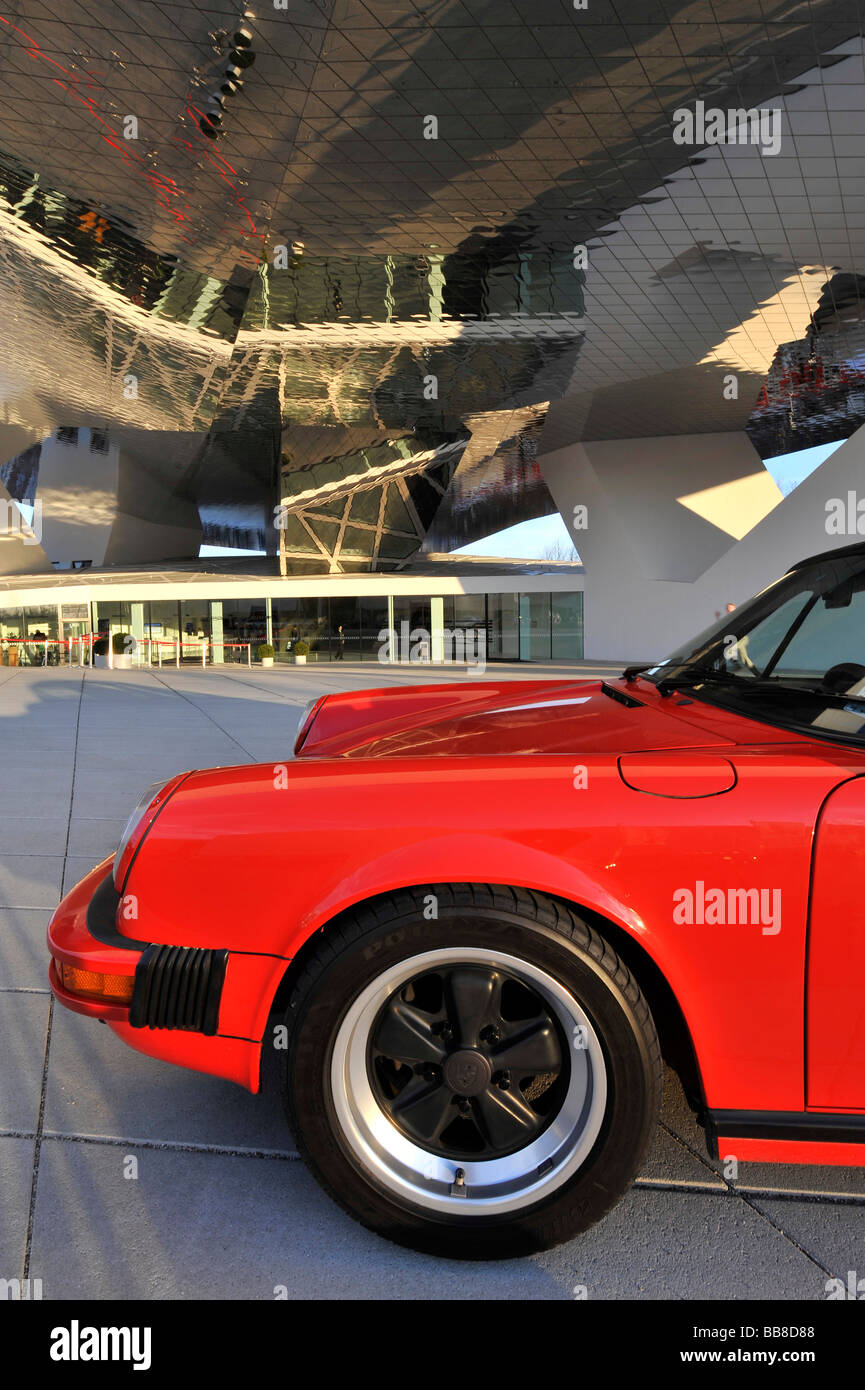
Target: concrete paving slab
[(23, 956), (832, 1233), (669, 1161), (30, 880), (39, 792), (197, 1225), (23, 1025), (25, 834), (98, 1086), (16, 1169), (675, 1245), (77, 865), (95, 837)]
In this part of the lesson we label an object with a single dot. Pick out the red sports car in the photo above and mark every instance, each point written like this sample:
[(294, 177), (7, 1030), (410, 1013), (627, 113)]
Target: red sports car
[(471, 916)]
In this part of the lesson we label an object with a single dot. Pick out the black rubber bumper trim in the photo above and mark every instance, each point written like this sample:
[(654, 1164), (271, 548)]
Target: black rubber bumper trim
[(102, 918), (783, 1124), (178, 987)]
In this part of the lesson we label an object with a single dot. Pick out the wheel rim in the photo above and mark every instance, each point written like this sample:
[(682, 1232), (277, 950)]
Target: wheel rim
[(468, 1081)]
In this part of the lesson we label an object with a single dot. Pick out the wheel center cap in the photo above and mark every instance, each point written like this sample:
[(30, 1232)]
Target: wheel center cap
[(467, 1073)]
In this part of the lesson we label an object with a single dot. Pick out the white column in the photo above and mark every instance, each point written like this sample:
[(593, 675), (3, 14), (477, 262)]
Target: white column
[(217, 632), (437, 622)]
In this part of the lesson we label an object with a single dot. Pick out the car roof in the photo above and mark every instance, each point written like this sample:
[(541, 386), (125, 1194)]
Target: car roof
[(842, 552)]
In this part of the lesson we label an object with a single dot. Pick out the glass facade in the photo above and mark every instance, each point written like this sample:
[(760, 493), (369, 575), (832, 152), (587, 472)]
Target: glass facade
[(504, 627), (521, 627), (566, 622), (535, 627), (163, 621), (336, 629), (23, 634), (113, 615)]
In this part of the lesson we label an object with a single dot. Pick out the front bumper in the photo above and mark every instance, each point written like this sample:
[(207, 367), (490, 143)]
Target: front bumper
[(192, 1006), (71, 941)]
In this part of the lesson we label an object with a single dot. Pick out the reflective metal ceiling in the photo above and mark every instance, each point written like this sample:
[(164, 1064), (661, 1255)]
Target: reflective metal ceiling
[(324, 265)]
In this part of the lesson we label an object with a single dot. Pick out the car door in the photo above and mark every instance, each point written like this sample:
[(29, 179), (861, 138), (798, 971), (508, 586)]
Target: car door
[(835, 1001)]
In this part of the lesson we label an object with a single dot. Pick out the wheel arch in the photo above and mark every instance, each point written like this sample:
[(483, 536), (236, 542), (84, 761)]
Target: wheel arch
[(677, 1045)]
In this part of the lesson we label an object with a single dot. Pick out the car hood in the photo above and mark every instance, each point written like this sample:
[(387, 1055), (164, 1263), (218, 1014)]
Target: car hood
[(508, 717)]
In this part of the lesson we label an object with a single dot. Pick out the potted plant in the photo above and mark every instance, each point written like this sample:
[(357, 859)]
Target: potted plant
[(301, 652), (123, 648), (265, 654)]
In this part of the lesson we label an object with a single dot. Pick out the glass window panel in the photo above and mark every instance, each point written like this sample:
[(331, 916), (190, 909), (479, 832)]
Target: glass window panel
[(397, 547), (470, 610), (365, 505), (396, 516), (163, 620), (244, 620), (344, 643), (412, 609), (296, 618), (327, 531), (11, 628), (38, 624), (567, 616), (504, 628), (334, 508), (535, 627), (116, 616), (357, 542), (373, 620)]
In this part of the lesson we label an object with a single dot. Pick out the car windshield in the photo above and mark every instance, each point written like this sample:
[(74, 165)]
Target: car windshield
[(794, 655)]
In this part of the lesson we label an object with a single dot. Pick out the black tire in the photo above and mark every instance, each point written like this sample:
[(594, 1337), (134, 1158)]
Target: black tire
[(385, 935)]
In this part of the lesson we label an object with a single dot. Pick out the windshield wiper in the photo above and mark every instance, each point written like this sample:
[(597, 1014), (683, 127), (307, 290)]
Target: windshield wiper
[(760, 686), (690, 673), (698, 675)]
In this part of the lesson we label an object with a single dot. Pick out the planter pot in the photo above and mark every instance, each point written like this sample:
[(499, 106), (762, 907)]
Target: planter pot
[(267, 661), (122, 661), (300, 661)]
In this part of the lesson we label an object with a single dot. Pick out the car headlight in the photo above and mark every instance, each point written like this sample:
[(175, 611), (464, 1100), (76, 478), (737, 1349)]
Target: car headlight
[(149, 805), (306, 718)]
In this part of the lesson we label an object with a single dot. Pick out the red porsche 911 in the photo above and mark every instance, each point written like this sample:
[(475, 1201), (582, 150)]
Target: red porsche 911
[(472, 916)]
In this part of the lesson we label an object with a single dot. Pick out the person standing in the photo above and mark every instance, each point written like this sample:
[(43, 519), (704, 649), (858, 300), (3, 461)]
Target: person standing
[(340, 644)]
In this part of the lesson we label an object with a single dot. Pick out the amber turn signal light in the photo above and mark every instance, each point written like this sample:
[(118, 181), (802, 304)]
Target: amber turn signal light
[(114, 989)]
